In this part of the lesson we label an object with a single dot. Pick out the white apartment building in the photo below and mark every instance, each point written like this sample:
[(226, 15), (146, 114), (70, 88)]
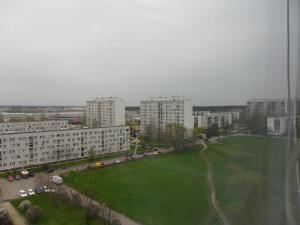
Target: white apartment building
[(161, 111), (20, 150), (105, 112), (205, 119), (18, 127), (277, 126), (272, 107)]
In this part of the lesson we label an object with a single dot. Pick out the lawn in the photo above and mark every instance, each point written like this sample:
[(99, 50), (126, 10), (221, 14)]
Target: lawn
[(172, 189), (247, 172), (167, 190), (57, 216)]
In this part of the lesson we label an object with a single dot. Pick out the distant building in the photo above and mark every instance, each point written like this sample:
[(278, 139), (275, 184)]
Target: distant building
[(105, 112), (19, 127), (272, 107), (161, 111), (18, 150), (277, 126), (206, 119)]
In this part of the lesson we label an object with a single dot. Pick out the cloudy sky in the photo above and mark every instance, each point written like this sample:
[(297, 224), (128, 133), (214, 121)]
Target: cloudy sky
[(217, 52)]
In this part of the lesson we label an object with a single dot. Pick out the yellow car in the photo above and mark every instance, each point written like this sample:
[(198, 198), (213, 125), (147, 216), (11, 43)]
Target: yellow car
[(99, 164)]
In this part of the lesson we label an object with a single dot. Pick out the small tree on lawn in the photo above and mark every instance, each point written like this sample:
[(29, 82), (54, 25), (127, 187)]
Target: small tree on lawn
[(175, 135), (92, 154), (34, 214)]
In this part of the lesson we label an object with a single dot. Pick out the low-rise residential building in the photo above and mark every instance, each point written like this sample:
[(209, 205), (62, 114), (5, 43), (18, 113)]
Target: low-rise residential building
[(18, 127), (158, 112), (105, 112), (18, 150), (277, 126), (206, 119)]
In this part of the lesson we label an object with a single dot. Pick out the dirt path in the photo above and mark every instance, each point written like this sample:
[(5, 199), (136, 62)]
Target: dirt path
[(15, 216), (211, 184)]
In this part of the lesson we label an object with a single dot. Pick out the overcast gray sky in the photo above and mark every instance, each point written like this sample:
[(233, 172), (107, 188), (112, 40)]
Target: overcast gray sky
[(217, 52)]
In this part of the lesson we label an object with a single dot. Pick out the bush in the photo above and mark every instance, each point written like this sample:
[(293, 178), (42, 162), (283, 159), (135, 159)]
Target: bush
[(92, 211), (4, 217), (34, 214), (25, 205), (116, 222)]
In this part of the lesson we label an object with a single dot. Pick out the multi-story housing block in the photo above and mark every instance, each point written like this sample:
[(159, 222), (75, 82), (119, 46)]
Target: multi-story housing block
[(18, 150), (272, 107), (105, 112), (207, 119), (161, 111), (33, 126)]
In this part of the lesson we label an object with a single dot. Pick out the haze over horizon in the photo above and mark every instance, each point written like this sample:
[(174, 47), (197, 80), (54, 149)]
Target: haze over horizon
[(66, 52)]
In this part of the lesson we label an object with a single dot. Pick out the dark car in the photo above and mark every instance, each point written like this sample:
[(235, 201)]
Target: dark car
[(49, 170), (39, 190), (17, 177), (31, 174)]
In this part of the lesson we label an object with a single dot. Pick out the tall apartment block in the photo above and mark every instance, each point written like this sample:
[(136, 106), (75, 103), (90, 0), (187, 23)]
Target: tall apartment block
[(19, 150), (161, 111), (105, 112), (272, 107)]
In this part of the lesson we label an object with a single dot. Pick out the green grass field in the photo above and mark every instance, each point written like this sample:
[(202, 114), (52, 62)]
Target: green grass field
[(59, 215), (172, 189)]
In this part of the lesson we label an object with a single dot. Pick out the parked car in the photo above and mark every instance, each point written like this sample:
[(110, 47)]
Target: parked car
[(45, 189), (57, 180), (17, 177), (99, 164), (22, 194), (30, 192), (49, 170), (117, 161), (39, 190), (10, 178), (24, 174), (31, 174)]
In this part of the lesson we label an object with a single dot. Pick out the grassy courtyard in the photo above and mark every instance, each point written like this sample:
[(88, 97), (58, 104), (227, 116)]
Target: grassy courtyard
[(61, 215), (172, 189)]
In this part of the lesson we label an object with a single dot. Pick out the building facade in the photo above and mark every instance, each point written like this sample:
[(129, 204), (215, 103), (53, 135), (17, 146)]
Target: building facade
[(105, 112), (161, 111), (20, 150), (272, 107), (206, 119), (18, 127)]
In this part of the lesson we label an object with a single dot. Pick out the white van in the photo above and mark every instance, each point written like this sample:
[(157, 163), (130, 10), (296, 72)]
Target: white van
[(57, 180)]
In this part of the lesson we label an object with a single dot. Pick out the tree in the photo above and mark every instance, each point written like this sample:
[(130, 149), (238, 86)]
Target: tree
[(1, 118), (257, 123), (92, 154), (24, 205), (150, 133), (227, 129), (212, 130), (198, 131), (175, 135), (43, 117), (34, 214)]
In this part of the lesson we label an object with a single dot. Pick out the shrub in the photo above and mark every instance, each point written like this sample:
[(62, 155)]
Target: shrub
[(25, 205), (4, 217), (116, 222), (92, 211), (34, 214)]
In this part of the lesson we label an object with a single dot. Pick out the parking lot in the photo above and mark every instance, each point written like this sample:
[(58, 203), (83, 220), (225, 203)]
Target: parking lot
[(9, 190)]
